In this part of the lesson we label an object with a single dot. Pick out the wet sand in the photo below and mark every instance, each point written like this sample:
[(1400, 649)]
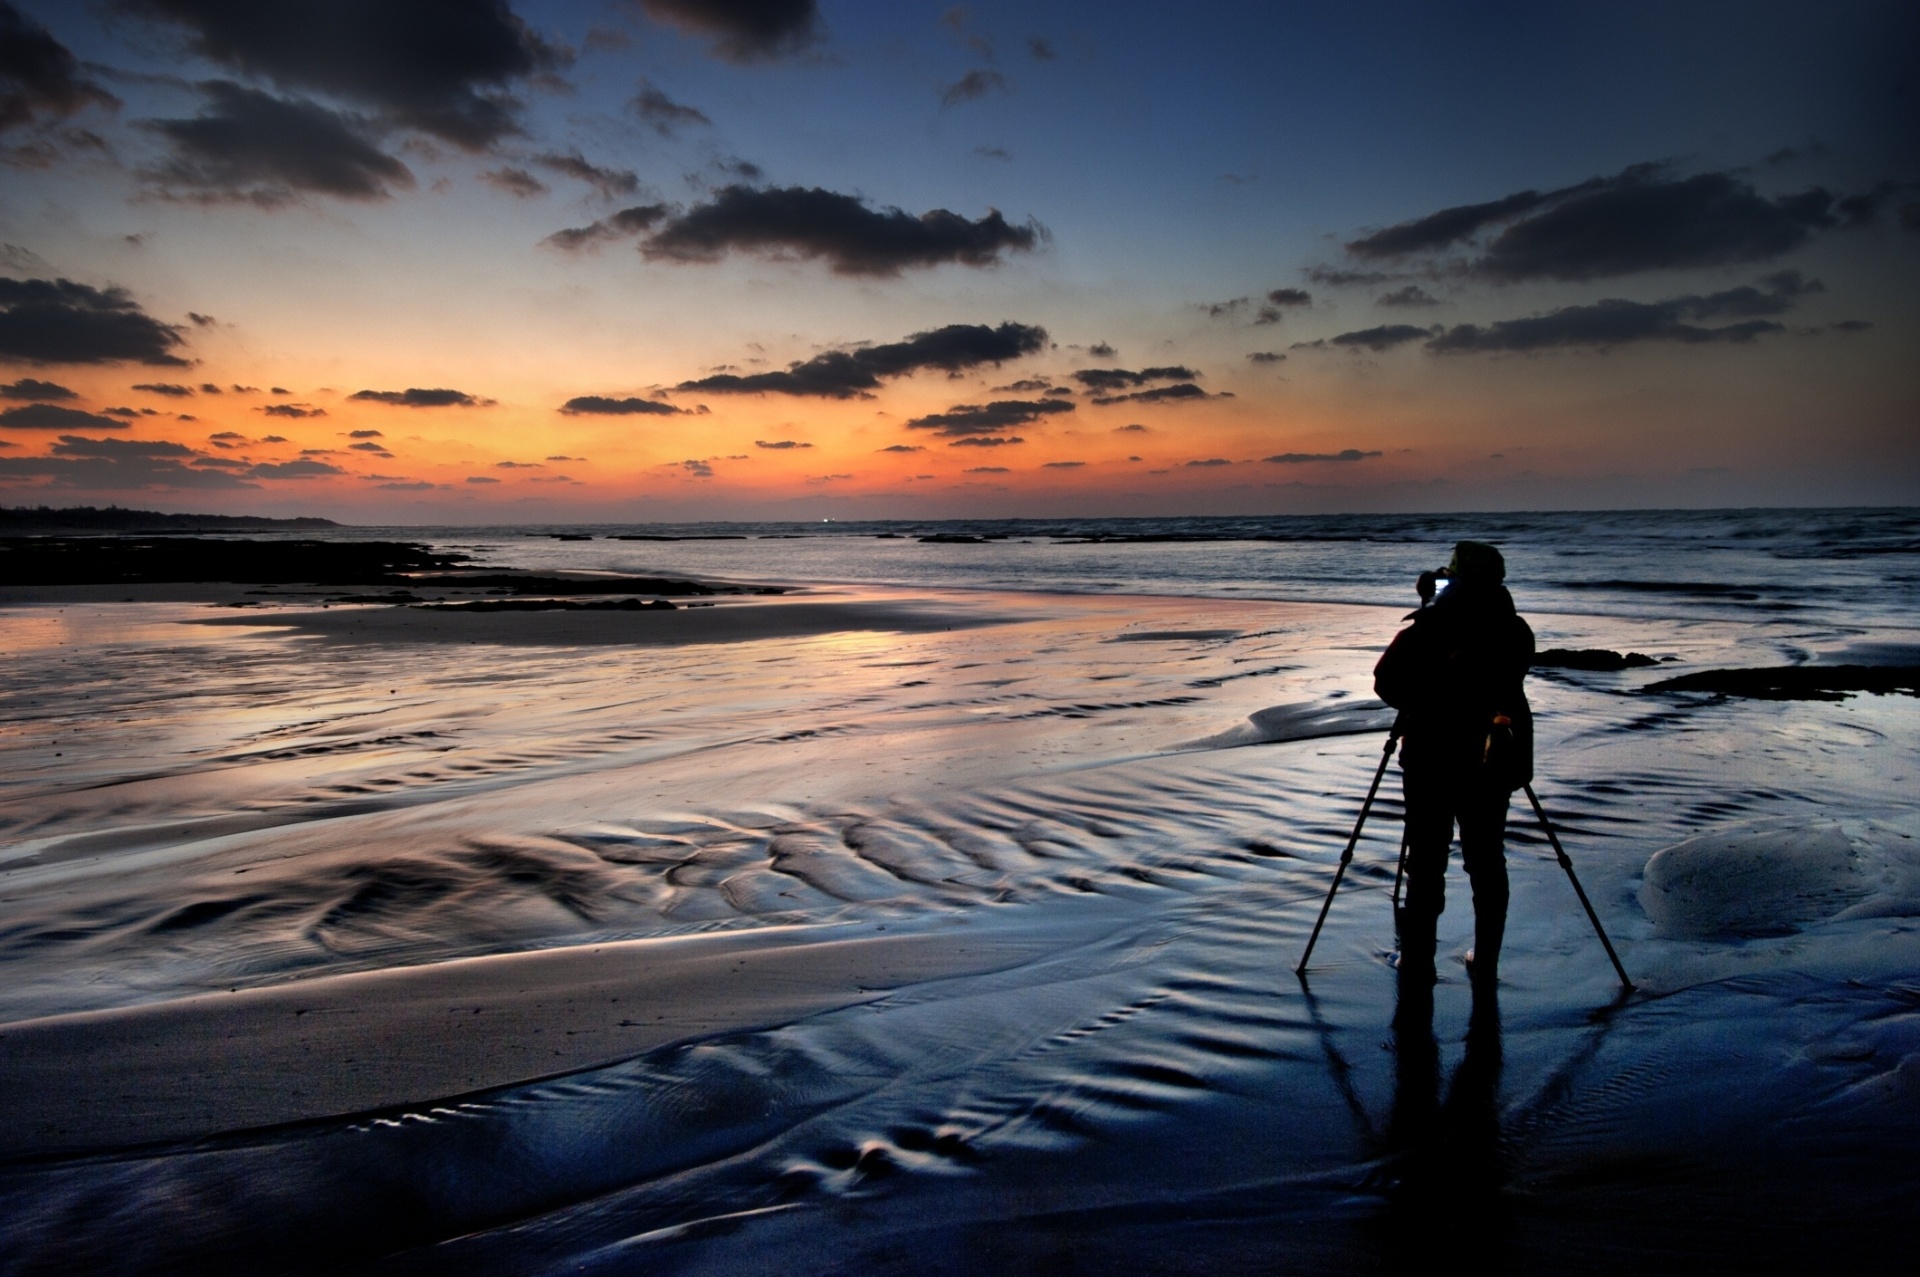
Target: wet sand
[(286, 976)]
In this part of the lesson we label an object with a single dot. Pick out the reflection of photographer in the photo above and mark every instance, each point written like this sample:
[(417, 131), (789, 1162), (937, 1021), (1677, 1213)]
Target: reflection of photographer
[(1456, 674)]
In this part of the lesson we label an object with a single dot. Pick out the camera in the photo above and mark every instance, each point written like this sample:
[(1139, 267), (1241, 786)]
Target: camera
[(1433, 583)]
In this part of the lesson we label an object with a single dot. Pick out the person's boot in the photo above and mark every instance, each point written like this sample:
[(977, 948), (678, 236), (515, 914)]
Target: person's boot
[(1483, 960), (1417, 939)]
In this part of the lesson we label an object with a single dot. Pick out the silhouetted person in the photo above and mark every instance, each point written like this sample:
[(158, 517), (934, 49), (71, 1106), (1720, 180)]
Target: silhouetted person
[(1456, 675)]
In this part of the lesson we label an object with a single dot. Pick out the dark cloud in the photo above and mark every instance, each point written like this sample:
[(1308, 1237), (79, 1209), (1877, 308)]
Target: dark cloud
[(292, 410), (853, 238), (1163, 394), (1642, 219), (1290, 297), (985, 441), (46, 416), (779, 445), (973, 86), (990, 418), (249, 145), (604, 406), (846, 374), (993, 152), (365, 434), (698, 469), (1301, 458), (415, 397), (129, 412), (1383, 337), (1102, 350), (1210, 461), (989, 470), (1341, 277), (662, 112), (300, 469), (1265, 357), (370, 446), (171, 389), (29, 388), (1041, 48), (416, 485), (209, 388), (518, 465), (610, 182), (227, 434), (904, 447), (628, 221), (516, 182), (744, 30), (1131, 428), (1062, 465), (56, 321), (1411, 295), (93, 469), (1121, 378), (1639, 222), (439, 66), (201, 321), (1602, 325), (1448, 227), (77, 446), (1270, 309), (1035, 385), (39, 78)]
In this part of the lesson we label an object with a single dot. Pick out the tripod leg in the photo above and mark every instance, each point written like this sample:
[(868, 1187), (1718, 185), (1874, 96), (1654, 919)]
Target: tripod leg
[(1567, 864), (1400, 870), (1346, 857)]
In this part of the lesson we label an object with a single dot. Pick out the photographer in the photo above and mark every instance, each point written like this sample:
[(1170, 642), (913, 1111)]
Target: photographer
[(1456, 675)]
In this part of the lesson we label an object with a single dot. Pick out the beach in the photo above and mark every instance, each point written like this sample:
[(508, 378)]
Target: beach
[(939, 912)]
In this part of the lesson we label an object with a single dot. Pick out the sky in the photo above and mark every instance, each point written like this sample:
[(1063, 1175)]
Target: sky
[(498, 261)]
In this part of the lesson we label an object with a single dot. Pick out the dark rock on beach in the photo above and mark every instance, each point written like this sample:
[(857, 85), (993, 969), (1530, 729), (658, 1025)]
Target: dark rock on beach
[(41, 520), (554, 605), (1589, 658), (1798, 682)]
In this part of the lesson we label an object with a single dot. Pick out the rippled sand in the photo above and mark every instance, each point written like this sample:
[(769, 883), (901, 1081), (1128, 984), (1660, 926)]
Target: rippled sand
[(907, 948)]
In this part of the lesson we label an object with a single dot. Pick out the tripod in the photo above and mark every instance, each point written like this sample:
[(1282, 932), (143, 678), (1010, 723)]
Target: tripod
[(1366, 808)]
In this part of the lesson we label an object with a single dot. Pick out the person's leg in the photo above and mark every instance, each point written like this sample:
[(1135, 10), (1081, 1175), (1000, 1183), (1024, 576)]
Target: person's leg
[(1483, 830), (1429, 837)]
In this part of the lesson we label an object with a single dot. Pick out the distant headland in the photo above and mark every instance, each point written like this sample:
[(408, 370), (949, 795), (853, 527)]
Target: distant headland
[(35, 520)]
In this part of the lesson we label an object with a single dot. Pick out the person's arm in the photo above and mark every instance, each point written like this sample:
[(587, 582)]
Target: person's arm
[(1396, 679)]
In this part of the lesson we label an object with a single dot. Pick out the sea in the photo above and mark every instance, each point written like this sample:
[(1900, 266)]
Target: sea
[(1143, 743)]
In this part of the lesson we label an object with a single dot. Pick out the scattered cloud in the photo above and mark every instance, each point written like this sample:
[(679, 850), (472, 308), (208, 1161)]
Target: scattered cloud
[(1041, 49), (1264, 357), (481, 478), (415, 397), (516, 182), (92, 469), (518, 465), (988, 470), (986, 441), (265, 150), (1303, 458), (1342, 277), (370, 446), (30, 388), (1601, 325), (973, 86), (1102, 350), (292, 410), (56, 321), (416, 485), (1411, 295), (993, 152), (779, 445), (47, 416), (904, 447), (441, 68), (77, 446), (1062, 465), (628, 221), (745, 30), (1131, 428), (172, 390), (662, 112), (847, 374), (605, 406), (991, 418), (843, 230), (365, 434), (610, 182), (698, 469), (1209, 462)]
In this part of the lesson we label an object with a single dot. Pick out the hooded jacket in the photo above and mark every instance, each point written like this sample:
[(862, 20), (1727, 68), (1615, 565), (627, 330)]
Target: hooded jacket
[(1454, 674)]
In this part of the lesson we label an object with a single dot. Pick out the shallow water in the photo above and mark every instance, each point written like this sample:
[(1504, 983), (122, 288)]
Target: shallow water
[(1162, 781)]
